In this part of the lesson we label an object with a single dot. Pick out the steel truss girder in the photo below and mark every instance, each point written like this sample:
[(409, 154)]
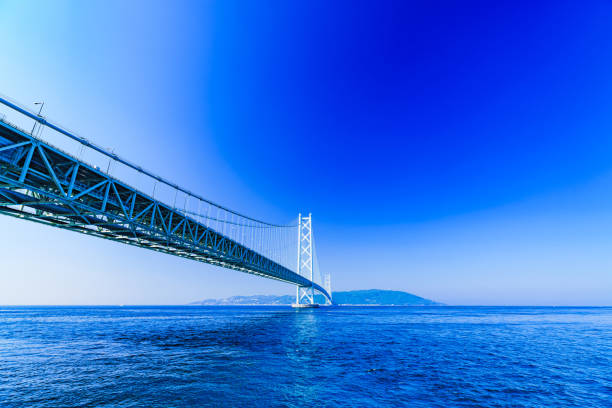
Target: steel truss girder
[(40, 183)]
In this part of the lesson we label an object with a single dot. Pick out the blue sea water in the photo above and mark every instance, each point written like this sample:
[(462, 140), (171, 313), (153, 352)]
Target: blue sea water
[(330, 357)]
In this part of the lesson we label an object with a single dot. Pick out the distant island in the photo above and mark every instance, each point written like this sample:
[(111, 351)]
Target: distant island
[(371, 297)]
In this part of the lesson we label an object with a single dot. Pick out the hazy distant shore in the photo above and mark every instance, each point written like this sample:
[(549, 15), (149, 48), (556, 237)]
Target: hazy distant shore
[(371, 297)]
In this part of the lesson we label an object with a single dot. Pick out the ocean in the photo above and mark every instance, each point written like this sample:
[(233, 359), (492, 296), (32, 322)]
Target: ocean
[(328, 357)]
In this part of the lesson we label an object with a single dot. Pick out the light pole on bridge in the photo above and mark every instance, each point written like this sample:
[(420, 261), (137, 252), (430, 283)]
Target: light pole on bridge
[(42, 105)]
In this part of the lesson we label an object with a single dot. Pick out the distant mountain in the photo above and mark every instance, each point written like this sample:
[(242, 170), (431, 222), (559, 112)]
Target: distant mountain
[(381, 298), (372, 297)]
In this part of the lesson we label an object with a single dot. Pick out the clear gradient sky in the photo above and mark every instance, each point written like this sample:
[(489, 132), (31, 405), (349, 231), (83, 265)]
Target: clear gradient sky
[(461, 151)]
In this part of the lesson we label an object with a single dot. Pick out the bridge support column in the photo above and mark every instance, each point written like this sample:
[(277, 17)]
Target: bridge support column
[(305, 295)]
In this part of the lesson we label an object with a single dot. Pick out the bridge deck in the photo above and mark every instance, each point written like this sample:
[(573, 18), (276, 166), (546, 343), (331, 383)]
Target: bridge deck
[(40, 183)]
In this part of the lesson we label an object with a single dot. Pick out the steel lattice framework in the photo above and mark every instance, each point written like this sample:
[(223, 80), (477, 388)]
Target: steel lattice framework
[(41, 183), (305, 258)]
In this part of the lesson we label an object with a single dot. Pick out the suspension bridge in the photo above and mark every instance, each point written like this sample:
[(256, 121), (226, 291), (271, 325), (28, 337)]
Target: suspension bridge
[(85, 188)]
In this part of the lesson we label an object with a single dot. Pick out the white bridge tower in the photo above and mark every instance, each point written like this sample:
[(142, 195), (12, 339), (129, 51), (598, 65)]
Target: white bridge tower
[(308, 266), (305, 262)]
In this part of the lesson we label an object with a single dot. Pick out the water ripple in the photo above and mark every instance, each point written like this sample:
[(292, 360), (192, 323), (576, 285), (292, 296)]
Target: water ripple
[(239, 356)]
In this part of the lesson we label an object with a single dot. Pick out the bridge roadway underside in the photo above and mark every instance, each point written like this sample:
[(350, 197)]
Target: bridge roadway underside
[(38, 182)]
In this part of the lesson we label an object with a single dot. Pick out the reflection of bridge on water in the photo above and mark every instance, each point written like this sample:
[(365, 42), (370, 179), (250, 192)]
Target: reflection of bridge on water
[(40, 182)]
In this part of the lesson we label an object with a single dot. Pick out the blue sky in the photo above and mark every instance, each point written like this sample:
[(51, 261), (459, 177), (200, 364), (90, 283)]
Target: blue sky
[(460, 151)]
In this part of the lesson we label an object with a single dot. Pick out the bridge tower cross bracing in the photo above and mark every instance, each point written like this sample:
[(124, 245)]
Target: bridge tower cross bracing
[(305, 295)]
